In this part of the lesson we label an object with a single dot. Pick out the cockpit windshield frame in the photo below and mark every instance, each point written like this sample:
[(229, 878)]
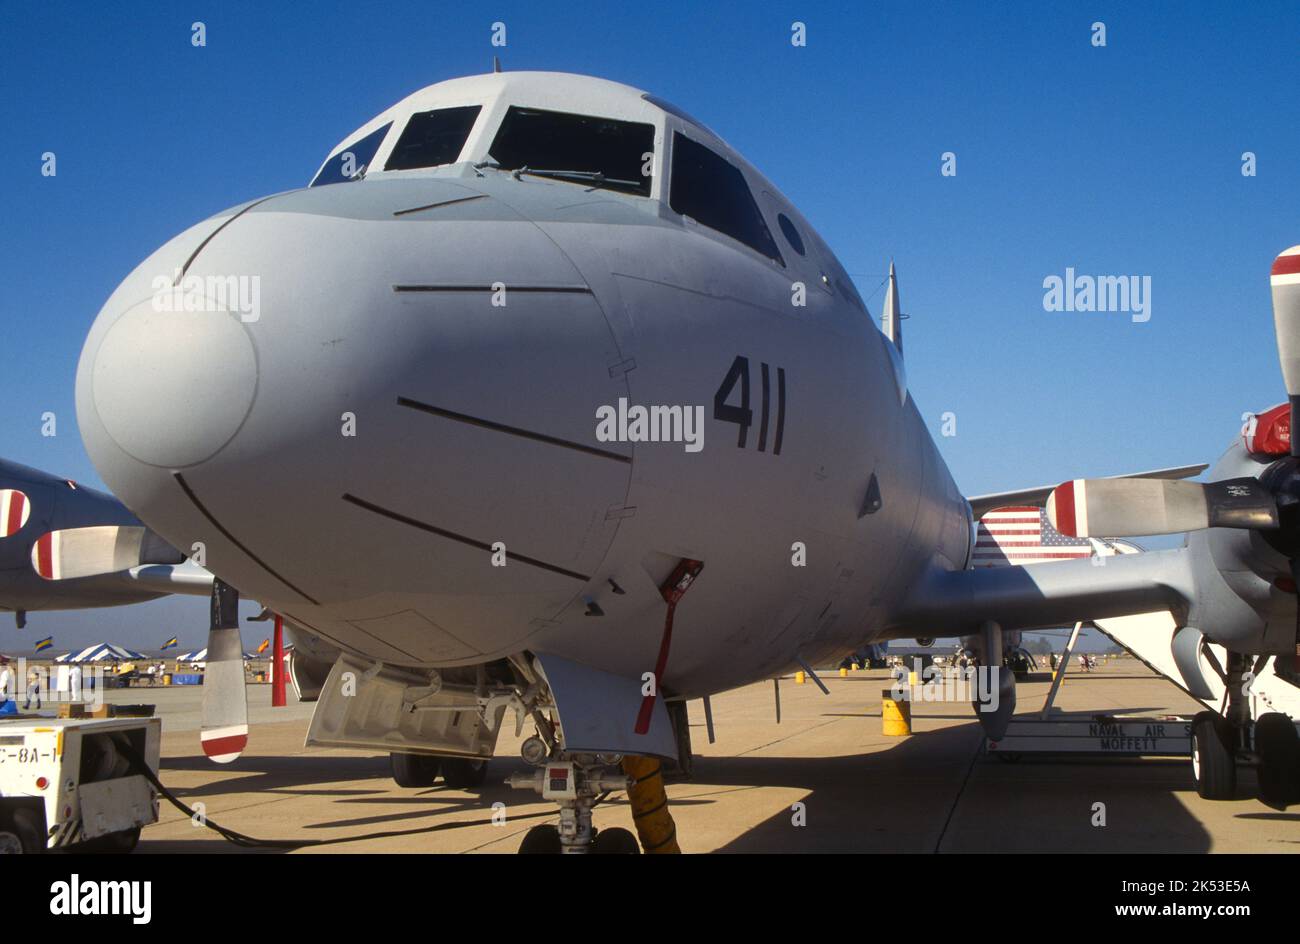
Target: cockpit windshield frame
[(433, 138), (545, 140), (351, 161)]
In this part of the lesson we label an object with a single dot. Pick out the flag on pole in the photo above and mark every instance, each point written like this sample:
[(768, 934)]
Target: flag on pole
[(46, 643), (263, 647), (170, 644)]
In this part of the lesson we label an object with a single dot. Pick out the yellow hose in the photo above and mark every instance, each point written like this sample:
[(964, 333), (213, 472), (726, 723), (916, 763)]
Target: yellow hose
[(654, 824)]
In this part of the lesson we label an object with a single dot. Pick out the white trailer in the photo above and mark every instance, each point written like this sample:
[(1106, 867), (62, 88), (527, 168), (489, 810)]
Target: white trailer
[(73, 783)]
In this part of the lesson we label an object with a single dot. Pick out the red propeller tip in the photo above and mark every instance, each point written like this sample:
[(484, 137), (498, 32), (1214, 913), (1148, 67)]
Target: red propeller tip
[(222, 745), (1288, 263), (1061, 509)]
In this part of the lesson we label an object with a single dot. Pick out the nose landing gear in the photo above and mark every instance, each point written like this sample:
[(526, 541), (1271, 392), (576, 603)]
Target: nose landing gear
[(577, 783)]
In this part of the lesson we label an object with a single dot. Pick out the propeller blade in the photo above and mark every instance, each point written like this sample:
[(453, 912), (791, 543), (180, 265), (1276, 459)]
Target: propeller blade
[(225, 699), (1285, 282), (103, 549), (1132, 507)]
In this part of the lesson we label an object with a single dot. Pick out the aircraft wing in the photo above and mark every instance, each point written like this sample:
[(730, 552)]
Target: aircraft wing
[(980, 504), (950, 603)]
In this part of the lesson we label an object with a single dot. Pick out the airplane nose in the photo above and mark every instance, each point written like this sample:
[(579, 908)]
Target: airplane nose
[(414, 384), (171, 388)]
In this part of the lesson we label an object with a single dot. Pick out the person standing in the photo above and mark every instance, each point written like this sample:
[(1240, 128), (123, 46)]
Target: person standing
[(6, 681), (33, 688)]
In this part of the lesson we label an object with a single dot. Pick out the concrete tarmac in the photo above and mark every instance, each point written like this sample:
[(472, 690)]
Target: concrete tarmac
[(934, 791)]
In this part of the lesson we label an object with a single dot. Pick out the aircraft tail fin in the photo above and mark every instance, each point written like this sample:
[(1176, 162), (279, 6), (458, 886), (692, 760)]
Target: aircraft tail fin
[(891, 321)]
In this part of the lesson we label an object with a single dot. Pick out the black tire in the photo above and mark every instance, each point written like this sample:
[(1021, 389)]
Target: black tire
[(20, 832), (414, 770), (461, 773), (541, 840), (122, 843), (1278, 747), (1214, 760), (616, 841)]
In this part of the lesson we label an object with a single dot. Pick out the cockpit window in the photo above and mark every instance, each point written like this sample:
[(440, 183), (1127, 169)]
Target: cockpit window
[(714, 193), (432, 138), (350, 162), (620, 151), (791, 233)]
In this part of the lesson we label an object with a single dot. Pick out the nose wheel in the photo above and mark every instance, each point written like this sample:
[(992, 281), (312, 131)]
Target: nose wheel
[(577, 783), (545, 840)]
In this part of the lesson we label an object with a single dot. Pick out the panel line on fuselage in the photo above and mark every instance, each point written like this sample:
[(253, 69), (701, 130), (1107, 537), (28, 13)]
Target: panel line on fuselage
[(512, 430), (180, 273), (461, 538), (189, 492), (440, 203), (488, 289)]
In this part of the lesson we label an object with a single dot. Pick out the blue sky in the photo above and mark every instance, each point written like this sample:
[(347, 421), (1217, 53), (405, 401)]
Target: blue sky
[(1123, 160)]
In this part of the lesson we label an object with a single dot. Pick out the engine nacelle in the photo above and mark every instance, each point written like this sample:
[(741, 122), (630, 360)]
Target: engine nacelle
[(1244, 598)]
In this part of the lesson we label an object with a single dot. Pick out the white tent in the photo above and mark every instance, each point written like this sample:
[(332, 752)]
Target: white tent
[(104, 652), (194, 655)]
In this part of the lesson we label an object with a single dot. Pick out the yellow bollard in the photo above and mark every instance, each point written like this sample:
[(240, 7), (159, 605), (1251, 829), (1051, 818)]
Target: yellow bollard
[(799, 677), (844, 673), (895, 715), (854, 667)]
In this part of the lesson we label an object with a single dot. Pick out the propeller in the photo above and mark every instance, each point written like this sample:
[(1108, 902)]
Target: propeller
[(1119, 508), (1285, 282), (225, 699), (103, 549), (1134, 507), (1284, 279), (1269, 503)]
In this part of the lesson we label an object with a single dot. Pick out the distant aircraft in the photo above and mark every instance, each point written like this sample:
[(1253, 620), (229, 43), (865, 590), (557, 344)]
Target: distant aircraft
[(439, 407)]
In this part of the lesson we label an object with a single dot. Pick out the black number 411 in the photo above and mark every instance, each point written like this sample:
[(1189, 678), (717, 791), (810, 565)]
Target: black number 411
[(743, 415)]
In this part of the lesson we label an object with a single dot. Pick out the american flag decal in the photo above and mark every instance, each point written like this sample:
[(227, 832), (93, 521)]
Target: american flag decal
[(1023, 535)]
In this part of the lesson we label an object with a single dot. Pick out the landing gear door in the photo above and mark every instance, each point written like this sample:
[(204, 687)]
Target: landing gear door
[(372, 706), (598, 711)]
